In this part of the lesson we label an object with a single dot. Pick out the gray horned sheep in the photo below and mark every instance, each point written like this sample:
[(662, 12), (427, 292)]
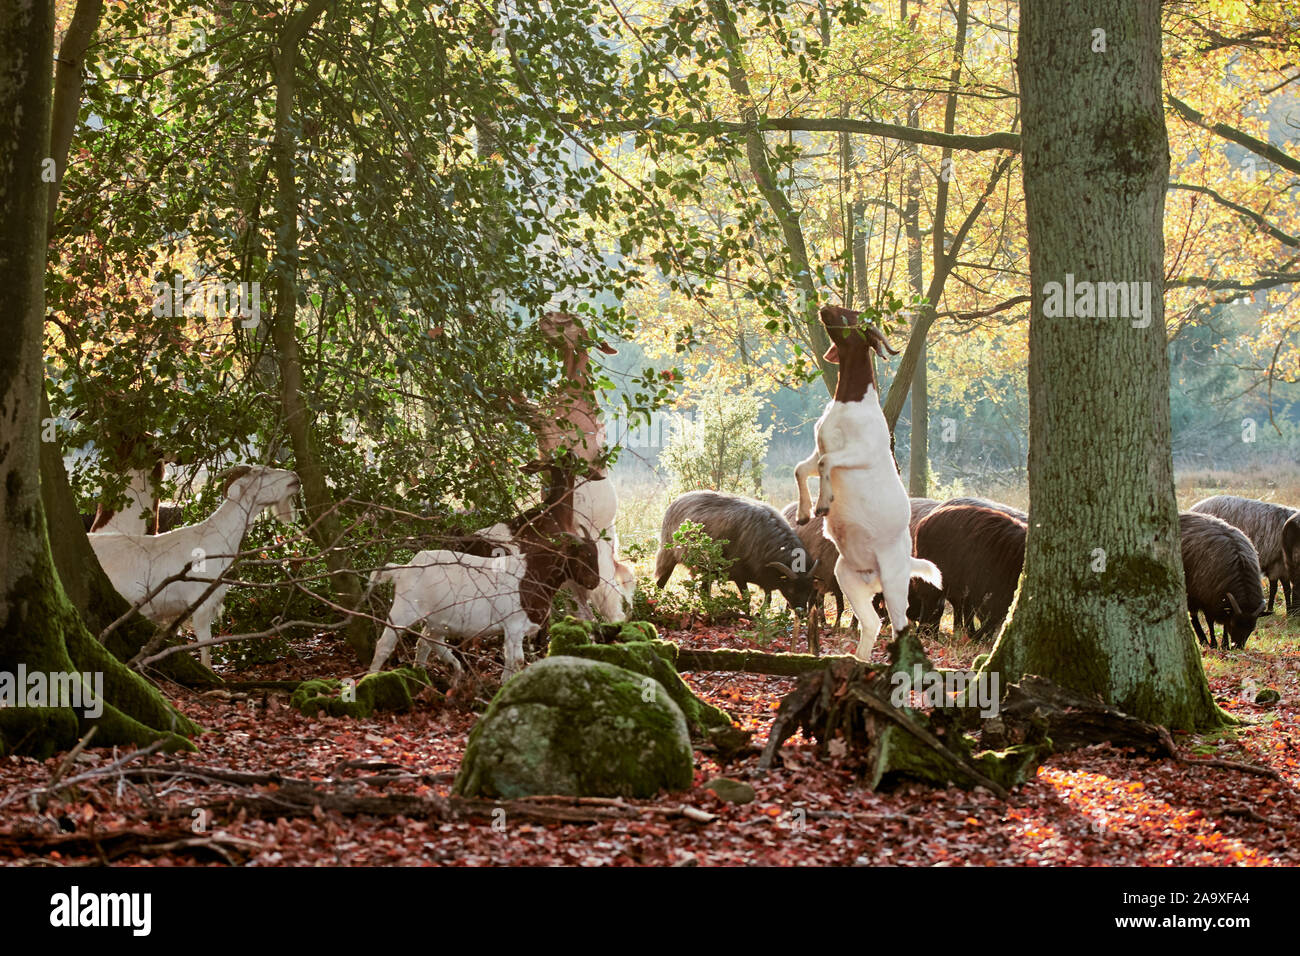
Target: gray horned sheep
[(823, 553), (1274, 530), (762, 545), (1222, 572)]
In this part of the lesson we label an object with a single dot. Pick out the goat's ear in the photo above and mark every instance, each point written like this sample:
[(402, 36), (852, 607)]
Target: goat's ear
[(832, 354)]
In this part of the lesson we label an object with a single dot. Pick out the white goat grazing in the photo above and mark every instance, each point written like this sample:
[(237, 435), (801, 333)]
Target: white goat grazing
[(456, 595), (138, 563), (867, 509)]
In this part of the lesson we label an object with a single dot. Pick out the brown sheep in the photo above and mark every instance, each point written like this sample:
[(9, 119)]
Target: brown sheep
[(980, 552)]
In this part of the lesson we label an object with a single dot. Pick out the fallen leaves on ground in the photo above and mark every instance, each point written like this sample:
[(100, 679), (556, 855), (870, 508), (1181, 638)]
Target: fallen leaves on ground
[(1089, 807)]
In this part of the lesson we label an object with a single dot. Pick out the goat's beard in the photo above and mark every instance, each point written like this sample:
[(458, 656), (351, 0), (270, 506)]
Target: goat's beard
[(283, 510)]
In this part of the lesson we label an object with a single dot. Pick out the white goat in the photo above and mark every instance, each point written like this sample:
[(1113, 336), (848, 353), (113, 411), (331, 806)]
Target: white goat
[(612, 596), (138, 563), (451, 594), (866, 506)]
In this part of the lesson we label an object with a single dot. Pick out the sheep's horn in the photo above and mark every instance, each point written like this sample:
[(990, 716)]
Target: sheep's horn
[(1236, 608), (783, 569), (810, 571)]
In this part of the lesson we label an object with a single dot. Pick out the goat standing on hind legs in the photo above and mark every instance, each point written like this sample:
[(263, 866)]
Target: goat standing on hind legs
[(866, 506)]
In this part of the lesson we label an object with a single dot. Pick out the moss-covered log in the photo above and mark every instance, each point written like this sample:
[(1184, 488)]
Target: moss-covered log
[(755, 662)]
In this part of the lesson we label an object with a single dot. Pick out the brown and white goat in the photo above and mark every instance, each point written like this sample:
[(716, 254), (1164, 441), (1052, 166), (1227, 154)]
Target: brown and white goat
[(568, 425), (866, 506)]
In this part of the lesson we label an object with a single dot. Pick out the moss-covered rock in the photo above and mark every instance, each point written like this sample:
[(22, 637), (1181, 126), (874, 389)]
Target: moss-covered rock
[(578, 727), (390, 691), (644, 655)]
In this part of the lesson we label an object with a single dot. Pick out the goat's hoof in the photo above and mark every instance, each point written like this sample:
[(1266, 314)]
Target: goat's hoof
[(802, 521), (823, 511)]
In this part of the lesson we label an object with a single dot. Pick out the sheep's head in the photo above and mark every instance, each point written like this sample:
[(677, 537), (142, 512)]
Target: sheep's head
[(846, 330), (1241, 624), (263, 487), (799, 588)]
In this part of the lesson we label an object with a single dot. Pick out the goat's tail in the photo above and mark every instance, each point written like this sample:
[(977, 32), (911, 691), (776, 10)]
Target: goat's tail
[(927, 571)]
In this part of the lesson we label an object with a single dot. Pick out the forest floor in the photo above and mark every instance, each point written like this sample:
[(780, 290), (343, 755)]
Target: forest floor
[(1089, 807)]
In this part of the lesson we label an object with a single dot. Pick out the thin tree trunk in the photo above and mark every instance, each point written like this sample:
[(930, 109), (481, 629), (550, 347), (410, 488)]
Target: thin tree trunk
[(786, 216), (325, 526), (918, 467), (1101, 607), (40, 630)]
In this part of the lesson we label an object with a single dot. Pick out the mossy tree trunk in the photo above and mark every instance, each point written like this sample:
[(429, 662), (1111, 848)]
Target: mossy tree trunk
[(40, 630), (1101, 606), (84, 581)]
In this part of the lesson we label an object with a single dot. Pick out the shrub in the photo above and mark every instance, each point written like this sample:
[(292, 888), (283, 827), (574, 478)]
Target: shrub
[(721, 447)]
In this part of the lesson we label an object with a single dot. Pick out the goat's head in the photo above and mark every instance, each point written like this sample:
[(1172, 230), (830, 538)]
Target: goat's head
[(852, 344), (848, 332), (263, 487), (580, 559), (564, 331)]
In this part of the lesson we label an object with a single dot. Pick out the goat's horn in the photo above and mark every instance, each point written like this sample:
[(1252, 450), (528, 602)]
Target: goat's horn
[(879, 342), (231, 475), (782, 568), (1236, 608)]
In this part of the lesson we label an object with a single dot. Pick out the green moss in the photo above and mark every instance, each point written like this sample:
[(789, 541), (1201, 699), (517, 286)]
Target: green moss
[(638, 631), (45, 633), (568, 632), (578, 727), (652, 658), (386, 691)]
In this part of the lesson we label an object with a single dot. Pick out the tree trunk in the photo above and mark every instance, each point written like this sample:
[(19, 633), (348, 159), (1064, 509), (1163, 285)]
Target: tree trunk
[(786, 215), (919, 443), (918, 468), (1101, 607), (84, 581), (40, 631), (326, 530)]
